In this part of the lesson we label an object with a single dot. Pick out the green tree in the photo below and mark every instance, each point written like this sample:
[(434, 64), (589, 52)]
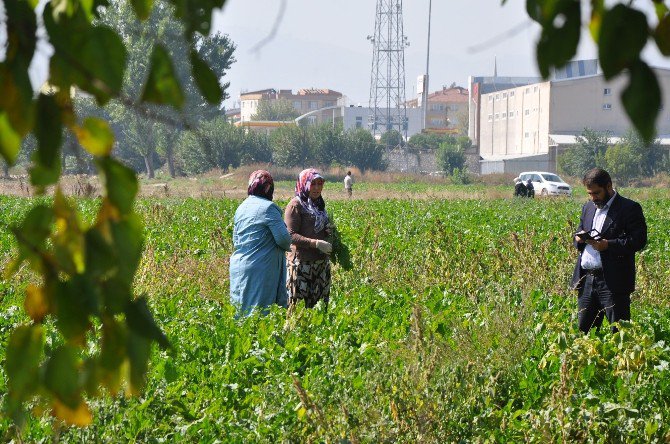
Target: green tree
[(362, 150), (292, 146), (82, 295), (279, 110), (620, 31), (429, 141), (151, 139), (217, 144), (391, 139), (451, 158), (588, 153), (623, 162), (329, 144)]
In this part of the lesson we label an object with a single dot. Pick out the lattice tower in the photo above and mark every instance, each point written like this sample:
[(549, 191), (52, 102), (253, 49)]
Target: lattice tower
[(388, 109)]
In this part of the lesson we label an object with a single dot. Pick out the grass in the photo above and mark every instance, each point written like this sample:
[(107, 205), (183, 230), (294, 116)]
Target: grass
[(455, 324)]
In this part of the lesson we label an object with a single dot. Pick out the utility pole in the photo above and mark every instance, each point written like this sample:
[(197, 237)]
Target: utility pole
[(425, 79)]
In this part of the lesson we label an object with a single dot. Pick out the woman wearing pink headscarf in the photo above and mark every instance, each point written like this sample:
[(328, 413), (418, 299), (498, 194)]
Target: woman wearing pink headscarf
[(308, 262)]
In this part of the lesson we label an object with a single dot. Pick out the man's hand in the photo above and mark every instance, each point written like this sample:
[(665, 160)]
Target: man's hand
[(599, 245)]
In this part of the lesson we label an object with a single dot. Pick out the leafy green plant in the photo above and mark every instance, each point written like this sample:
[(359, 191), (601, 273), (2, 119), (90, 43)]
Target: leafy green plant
[(84, 288)]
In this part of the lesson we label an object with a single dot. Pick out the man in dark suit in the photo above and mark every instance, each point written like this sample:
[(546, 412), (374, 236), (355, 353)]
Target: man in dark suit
[(611, 229)]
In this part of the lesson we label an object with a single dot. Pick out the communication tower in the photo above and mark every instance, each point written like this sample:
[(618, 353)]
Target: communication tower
[(388, 110)]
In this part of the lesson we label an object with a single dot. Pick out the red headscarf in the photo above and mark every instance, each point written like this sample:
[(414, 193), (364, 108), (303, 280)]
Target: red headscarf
[(261, 184)]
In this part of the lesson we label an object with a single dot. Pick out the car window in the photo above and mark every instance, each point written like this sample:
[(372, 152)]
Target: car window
[(537, 178), (552, 178)]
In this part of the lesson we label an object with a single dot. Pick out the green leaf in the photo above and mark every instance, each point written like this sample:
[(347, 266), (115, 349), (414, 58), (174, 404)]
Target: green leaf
[(10, 141), (120, 183), (206, 80), (642, 100), (33, 232), (623, 34), (75, 300), (99, 255), (46, 167), (113, 351), (95, 136), (24, 352), (21, 32), (162, 86), (196, 14), (142, 8), (141, 322), (662, 35), (91, 57), (128, 236), (61, 376), (139, 348), (561, 30)]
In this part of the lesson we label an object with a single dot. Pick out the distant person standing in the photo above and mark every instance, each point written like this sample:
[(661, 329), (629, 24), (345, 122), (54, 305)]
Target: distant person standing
[(530, 188), (349, 184), (611, 230)]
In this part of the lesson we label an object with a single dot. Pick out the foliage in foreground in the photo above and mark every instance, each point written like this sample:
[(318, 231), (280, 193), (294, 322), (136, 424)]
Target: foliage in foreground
[(471, 337)]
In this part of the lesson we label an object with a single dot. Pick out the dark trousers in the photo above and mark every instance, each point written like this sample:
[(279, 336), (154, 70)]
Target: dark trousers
[(596, 301)]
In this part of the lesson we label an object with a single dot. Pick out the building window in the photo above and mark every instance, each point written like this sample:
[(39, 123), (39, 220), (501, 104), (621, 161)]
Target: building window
[(490, 98), (607, 91), (297, 104), (511, 94), (329, 103), (490, 117), (359, 121), (497, 96), (535, 89), (497, 116), (527, 90), (504, 95), (526, 113), (437, 122), (311, 120), (607, 106), (313, 104), (511, 115), (526, 134), (504, 115)]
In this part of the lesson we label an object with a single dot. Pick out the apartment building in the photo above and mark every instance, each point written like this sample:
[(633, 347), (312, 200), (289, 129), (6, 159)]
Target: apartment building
[(303, 101), (446, 108)]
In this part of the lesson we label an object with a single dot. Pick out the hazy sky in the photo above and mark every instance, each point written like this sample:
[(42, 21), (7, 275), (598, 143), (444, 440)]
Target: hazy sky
[(322, 43)]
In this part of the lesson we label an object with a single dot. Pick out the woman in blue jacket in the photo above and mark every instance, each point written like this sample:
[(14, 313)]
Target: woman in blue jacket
[(260, 240)]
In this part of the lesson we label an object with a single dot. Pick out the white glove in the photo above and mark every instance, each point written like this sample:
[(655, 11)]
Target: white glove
[(324, 247)]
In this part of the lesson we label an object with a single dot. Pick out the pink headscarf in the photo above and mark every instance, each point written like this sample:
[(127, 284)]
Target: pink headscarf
[(316, 208), (261, 184)]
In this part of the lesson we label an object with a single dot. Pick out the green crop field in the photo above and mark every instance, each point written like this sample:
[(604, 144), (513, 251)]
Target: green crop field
[(455, 324)]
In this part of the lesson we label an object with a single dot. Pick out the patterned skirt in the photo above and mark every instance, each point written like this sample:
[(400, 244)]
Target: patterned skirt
[(308, 281)]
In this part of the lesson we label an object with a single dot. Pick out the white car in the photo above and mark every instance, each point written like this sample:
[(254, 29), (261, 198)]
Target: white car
[(546, 184)]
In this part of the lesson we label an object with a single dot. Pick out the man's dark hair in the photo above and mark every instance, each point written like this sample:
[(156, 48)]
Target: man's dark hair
[(596, 176), (349, 173)]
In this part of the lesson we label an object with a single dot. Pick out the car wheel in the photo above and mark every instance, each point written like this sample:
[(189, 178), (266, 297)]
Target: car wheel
[(544, 192)]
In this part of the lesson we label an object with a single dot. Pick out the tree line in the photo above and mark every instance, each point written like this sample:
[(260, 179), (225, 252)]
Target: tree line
[(628, 159)]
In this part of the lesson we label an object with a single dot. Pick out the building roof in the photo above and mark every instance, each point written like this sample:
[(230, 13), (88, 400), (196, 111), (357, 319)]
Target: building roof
[(456, 94), (317, 91)]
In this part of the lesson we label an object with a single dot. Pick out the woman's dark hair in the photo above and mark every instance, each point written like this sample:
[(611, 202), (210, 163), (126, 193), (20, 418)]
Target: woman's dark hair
[(596, 176)]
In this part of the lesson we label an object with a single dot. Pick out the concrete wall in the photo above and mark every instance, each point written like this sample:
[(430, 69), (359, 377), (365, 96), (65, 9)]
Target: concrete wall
[(407, 162)]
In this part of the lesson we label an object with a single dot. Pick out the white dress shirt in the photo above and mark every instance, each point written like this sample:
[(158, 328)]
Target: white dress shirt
[(590, 256)]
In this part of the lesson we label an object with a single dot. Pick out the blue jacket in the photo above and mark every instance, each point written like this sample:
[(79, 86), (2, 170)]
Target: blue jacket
[(258, 264)]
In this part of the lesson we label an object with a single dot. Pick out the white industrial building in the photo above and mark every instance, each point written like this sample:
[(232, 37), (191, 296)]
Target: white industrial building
[(524, 127)]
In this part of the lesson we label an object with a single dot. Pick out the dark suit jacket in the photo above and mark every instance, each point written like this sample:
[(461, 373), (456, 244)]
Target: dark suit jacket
[(626, 230)]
